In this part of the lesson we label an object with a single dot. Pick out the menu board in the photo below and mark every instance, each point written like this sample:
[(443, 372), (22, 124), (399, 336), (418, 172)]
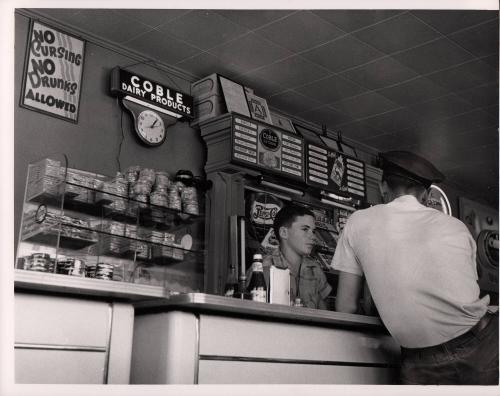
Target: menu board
[(267, 147), (335, 172)]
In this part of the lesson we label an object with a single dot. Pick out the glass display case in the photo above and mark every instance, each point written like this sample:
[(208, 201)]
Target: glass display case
[(139, 233)]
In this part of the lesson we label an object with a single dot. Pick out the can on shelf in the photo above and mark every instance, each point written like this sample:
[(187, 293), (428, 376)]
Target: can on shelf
[(104, 271), (40, 262)]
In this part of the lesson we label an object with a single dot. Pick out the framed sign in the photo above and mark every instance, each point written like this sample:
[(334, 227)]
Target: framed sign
[(234, 96), (150, 93), (258, 108), (52, 72)]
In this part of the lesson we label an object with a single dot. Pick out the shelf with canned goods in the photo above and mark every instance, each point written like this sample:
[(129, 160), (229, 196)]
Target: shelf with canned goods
[(94, 199), (87, 225)]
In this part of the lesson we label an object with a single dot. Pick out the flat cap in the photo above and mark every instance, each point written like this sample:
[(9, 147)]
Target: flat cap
[(411, 166)]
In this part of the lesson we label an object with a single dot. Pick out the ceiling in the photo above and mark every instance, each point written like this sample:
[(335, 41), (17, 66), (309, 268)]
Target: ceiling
[(419, 80)]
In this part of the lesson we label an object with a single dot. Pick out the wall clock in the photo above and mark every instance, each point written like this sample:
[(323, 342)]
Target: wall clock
[(150, 125), (150, 128)]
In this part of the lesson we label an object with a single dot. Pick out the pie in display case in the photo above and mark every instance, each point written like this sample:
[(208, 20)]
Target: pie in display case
[(136, 235)]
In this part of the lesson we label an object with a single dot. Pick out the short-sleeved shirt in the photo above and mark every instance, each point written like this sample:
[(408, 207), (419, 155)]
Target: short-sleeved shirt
[(420, 267), (312, 285)]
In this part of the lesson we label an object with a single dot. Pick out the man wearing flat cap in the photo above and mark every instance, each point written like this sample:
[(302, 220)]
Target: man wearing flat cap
[(420, 267)]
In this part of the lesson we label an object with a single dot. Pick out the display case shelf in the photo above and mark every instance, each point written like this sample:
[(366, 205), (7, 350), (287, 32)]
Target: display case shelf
[(82, 223), (49, 282), (147, 214), (49, 237)]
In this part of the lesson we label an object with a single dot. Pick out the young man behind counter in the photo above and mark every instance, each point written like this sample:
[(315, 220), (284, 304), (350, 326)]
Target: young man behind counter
[(294, 228)]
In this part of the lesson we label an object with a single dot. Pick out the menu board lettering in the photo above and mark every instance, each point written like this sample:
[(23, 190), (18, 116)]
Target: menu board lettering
[(267, 148), (334, 171)]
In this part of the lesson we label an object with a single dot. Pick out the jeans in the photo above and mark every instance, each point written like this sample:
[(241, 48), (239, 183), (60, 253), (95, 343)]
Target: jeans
[(470, 359)]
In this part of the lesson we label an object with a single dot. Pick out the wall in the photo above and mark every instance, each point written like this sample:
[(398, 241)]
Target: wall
[(93, 143)]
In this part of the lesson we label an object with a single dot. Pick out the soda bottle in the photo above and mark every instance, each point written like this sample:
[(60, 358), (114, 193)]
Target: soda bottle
[(257, 287)]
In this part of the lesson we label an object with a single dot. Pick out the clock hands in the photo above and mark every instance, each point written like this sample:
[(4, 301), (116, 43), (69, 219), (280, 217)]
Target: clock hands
[(153, 125)]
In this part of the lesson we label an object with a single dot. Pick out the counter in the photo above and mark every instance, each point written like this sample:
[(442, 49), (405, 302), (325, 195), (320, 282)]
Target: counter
[(207, 339)]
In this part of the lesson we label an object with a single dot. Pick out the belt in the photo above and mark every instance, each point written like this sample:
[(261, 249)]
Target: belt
[(475, 330)]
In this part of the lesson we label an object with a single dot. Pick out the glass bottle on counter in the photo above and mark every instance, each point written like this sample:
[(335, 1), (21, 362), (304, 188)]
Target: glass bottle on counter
[(232, 283), (257, 287)]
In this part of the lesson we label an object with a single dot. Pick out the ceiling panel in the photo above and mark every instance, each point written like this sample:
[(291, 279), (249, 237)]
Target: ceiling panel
[(491, 60), (449, 21), (481, 95), (479, 39), (252, 19), (419, 89), (343, 53), (364, 105), (393, 121), (203, 29), (380, 73), (475, 119), (294, 33), (293, 71), (204, 63), (446, 106), (350, 20), (325, 115), (243, 52), (478, 137), (411, 32), (465, 75), (151, 17), (433, 56), (330, 89), (476, 178), (65, 14), (262, 87), (294, 101), (162, 47), (107, 24), (385, 142), (408, 138), (492, 110), (453, 146), (359, 130)]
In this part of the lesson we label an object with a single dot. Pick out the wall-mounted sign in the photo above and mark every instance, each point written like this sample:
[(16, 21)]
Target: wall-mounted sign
[(335, 172), (234, 96), (258, 108), (261, 146), (152, 94), (53, 72)]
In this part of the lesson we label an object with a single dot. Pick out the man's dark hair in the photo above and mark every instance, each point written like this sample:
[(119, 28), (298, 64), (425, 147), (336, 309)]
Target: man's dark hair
[(287, 215), (400, 182)]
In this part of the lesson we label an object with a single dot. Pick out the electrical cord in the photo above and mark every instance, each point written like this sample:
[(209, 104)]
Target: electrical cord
[(122, 138)]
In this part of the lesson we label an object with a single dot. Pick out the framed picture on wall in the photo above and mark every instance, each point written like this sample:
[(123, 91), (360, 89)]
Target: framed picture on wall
[(53, 71)]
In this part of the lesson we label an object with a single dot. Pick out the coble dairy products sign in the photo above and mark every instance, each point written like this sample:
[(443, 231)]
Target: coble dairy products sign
[(145, 91), (53, 72)]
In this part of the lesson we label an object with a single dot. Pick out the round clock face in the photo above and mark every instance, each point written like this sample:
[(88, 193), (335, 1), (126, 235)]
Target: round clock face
[(151, 128)]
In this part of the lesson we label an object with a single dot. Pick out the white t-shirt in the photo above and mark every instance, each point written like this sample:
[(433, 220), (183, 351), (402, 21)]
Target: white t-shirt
[(420, 266)]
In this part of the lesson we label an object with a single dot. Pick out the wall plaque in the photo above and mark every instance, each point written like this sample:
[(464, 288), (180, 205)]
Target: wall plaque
[(53, 72)]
